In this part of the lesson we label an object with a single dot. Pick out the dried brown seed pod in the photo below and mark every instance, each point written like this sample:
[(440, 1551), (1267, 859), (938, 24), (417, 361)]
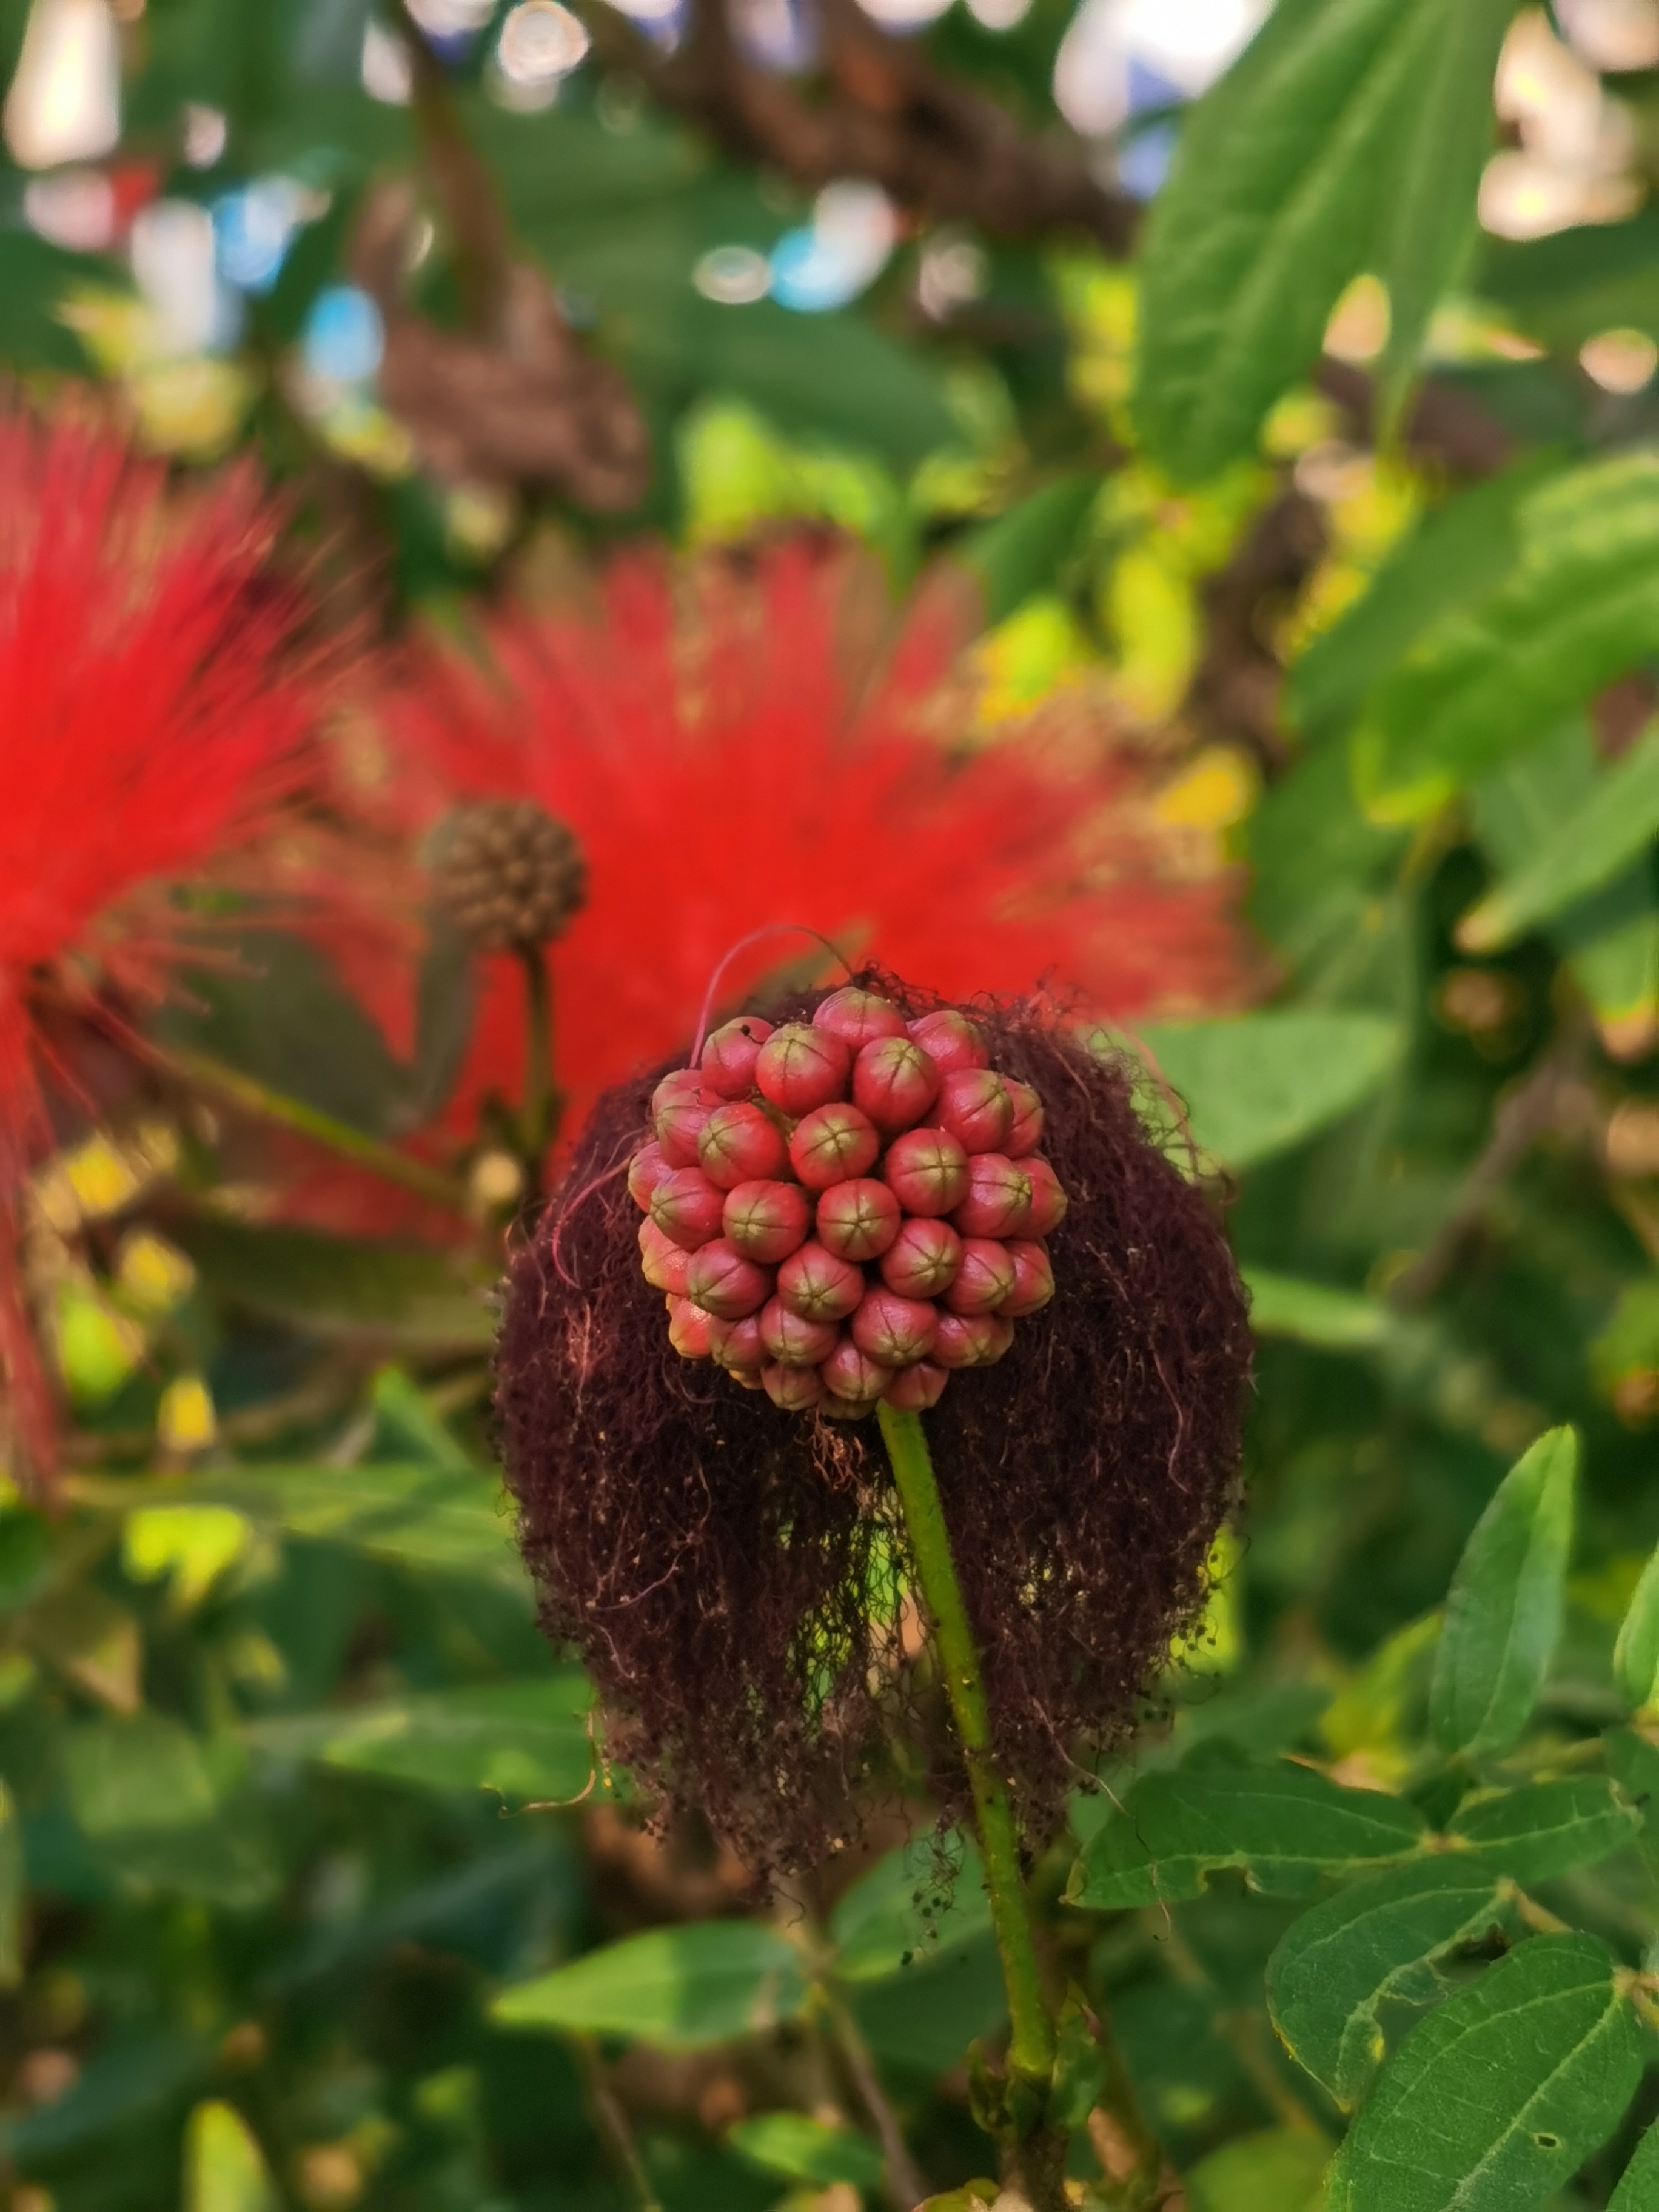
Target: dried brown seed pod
[(508, 874)]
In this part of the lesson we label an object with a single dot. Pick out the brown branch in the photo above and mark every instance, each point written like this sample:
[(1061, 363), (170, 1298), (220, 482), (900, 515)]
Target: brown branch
[(1235, 687), (882, 112)]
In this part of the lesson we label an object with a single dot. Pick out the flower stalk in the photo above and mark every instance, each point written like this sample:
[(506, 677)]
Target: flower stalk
[(1031, 2043)]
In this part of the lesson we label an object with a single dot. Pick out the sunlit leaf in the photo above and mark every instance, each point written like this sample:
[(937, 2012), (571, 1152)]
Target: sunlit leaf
[(677, 1988), (1257, 1084), (798, 2148), (1636, 1653), (224, 2168), (919, 1899), (1280, 2170), (1546, 1828)]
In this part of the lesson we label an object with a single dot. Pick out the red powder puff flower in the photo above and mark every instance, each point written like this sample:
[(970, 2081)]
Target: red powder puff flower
[(729, 759), (149, 718)]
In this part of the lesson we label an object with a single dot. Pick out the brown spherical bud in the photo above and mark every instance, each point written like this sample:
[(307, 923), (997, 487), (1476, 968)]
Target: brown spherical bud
[(832, 1144), (986, 1279), (950, 1040), (689, 1328), (914, 1389), (922, 1259), (687, 1207), (859, 1016), (506, 873), (664, 1263), (792, 1341), (857, 1220), (850, 1373), (800, 1067), (895, 1083), (737, 1345), (796, 1390), (1025, 1131), (729, 1053), (645, 1172), (1034, 1279), (998, 1201), (767, 1220), (974, 1106), (927, 1171), (723, 1283), (894, 1330), (739, 1144), (818, 1284), (1048, 1200)]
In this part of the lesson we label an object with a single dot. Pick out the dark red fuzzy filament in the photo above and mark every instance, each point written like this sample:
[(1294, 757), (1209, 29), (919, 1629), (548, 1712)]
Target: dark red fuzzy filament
[(726, 1568)]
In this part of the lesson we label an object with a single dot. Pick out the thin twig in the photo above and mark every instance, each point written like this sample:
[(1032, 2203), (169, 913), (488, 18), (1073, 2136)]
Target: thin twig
[(906, 2186), (612, 2121)]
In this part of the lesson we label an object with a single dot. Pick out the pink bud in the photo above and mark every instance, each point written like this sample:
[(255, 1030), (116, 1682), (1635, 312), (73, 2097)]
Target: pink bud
[(729, 1055), (859, 1016), (767, 1221), (688, 1329), (1034, 1279), (922, 1259), (645, 1172), (971, 1340), (973, 1105), (1025, 1133), (832, 1144), (999, 1198), (949, 1039), (724, 1283), (686, 1207), (846, 1409), (895, 1331), (986, 1280), (1048, 1200), (662, 1262), (857, 1220), (792, 1341), (819, 1285), (800, 1067), (850, 1373), (680, 1108), (739, 1144), (737, 1344), (895, 1082), (797, 1389), (927, 1171), (914, 1389)]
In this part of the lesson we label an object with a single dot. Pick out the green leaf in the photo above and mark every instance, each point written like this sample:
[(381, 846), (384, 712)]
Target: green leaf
[(1456, 554), (1316, 1313), (921, 2021), (1269, 209), (1634, 1763), (1257, 1084), (1020, 552), (677, 1988), (1579, 607), (1280, 2170), (13, 1889), (1504, 1610), (1638, 2185), (526, 1740), (128, 2079), (1578, 852), (127, 1776), (1429, 203), (1636, 1653), (1285, 1825), (910, 1905), (381, 1294), (1499, 2096), (1547, 1828), (1336, 1967), (802, 2150), (224, 2169)]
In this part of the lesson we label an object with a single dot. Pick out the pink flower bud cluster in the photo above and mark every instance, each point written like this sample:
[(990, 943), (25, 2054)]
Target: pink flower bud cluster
[(840, 1213)]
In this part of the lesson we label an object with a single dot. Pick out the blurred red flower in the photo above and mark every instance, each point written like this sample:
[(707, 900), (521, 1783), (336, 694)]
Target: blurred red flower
[(735, 749), (151, 716)]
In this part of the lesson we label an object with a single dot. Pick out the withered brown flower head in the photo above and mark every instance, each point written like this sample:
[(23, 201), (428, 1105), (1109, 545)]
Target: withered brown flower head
[(506, 873), (732, 1573)]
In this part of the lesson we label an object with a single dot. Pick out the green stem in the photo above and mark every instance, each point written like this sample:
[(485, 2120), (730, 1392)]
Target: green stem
[(540, 1099), (245, 1092), (1031, 2040)]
